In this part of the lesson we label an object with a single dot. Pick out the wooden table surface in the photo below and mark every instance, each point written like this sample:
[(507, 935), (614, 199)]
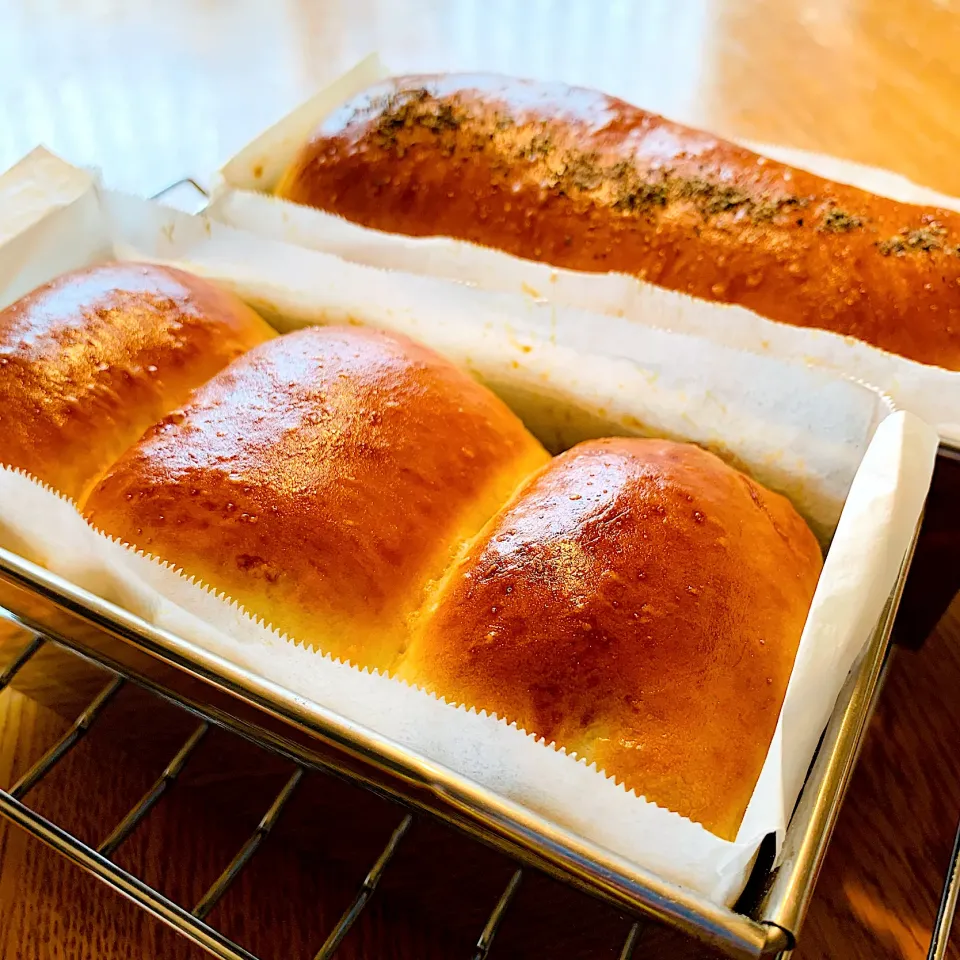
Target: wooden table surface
[(152, 91)]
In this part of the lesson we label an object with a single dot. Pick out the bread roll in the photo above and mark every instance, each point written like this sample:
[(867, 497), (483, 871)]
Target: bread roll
[(93, 358), (585, 181), (639, 603), (322, 480)]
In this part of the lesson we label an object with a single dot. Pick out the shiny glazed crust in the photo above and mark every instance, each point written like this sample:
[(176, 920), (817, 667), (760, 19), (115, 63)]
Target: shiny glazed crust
[(322, 480), (584, 181), (93, 358), (640, 603)]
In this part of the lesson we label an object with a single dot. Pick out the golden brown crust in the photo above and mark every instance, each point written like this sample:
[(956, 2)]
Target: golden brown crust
[(585, 181), (640, 603), (322, 480), (93, 358)]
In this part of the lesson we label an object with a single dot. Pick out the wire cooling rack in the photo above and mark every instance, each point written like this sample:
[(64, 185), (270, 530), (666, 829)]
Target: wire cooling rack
[(192, 923)]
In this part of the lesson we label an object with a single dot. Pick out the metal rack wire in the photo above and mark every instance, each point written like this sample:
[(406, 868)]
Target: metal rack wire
[(192, 923), (948, 905)]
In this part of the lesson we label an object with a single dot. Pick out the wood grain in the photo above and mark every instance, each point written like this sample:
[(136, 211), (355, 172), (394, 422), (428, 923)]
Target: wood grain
[(154, 91)]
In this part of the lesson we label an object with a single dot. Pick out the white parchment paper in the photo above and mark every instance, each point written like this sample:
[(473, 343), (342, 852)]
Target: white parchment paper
[(35, 186), (930, 392), (857, 471)]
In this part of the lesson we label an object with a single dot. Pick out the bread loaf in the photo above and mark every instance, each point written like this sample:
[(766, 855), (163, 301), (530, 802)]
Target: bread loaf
[(93, 358), (584, 181), (323, 480), (639, 603)]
